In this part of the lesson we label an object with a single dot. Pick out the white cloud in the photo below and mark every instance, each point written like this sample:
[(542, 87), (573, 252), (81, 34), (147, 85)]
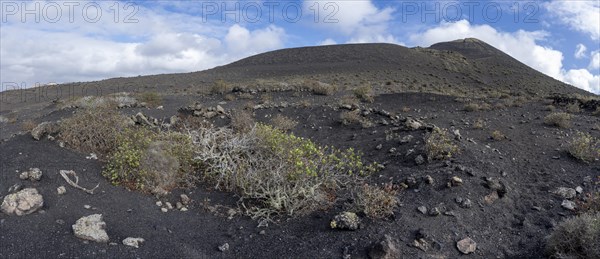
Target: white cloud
[(522, 45), (583, 16), (161, 42), (327, 41), (360, 21), (580, 51), (584, 79), (595, 60)]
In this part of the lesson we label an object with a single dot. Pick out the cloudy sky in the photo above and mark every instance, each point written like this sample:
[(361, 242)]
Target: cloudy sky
[(71, 41)]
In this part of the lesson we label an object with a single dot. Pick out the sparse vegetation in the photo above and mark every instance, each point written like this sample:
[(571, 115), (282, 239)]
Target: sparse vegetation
[(229, 97), (320, 88), (549, 108), (365, 93), (28, 125), (151, 161), (479, 124), (93, 130), (220, 87), (349, 100), (573, 108), (498, 135), (597, 111), (354, 117), (377, 202), (151, 98), (558, 119), (584, 147), (283, 123), (439, 145), (576, 237), (242, 121), (276, 173), (472, 107)]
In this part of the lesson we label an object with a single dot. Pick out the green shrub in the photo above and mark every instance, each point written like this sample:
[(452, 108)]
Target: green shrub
[(584, 147), (439, 145), (365, 93), (94, 130), (377, 202), (151, 98), (576, 237), (274, 172), (151, 161), (558, 119)]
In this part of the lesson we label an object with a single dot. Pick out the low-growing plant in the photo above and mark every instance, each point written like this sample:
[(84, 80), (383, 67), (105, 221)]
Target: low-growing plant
[(558, 119), (242, 121), (597, 111), (498, 135), (220, 87), (229, 97), (439, 145), (350, 100), (274, 172), (151, 161), (590, 203), (584, 147), (350, 117), (283, 123), (472, 107), (479, 124), (549, 108), (377, 202), (573, 108), (28, 125), (94, 130), (365, 93), (320, 88), (151, 98), (576, 237)]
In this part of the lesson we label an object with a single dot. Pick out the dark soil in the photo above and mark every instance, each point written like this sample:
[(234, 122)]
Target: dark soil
[(530, 162)]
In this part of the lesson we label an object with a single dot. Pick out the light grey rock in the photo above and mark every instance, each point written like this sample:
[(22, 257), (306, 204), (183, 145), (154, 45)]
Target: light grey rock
[(61, 190), (133, 241), (466, 246), (419, 160), (34, 174), (569, 205), (23, 202), (45, 128), (91, 228), (224, 247), (565, 193)]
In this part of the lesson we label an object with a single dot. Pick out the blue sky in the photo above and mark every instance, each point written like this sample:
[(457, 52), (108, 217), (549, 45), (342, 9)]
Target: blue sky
[(68, 41)]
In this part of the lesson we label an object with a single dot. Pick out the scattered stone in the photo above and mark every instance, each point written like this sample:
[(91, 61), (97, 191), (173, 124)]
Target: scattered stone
[(491, 198), (496, 185), (379, 147), (185, 199), (178, 205), (60, 222), (387, 248), (159, 203), (466, 203), (565, 193), (419, 160), (87, 207), (421, 243), (406, 139), (91, 228), (466, 246), (15, 188), (34, 175), (434, 212), (224, 247), (45, 128), (422, 209), (457, 135), (169, 205), (579, 189), (184, 209), (164, 210), (23, 202), (346, 221), (133, 241), (92, 156), (455, 181), (411, 181), (428, 179), (262, 232), (61, 190), (569, 205), (220, 109)]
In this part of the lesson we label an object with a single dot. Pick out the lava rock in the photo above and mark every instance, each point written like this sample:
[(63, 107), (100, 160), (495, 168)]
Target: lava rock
[(387, 248), (565, 193), (569, 205), (224, 247), (346, 221), (61, 190), (45, 128), (34, 175), (91, 228), (23, 202)]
